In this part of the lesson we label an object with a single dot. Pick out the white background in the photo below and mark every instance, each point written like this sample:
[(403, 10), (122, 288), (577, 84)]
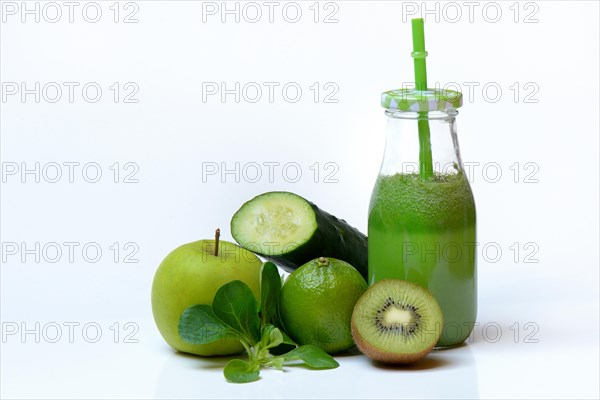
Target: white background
[(171, 136)]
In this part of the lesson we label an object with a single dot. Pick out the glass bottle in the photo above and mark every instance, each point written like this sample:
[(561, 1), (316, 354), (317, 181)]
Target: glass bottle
[(422, 212)]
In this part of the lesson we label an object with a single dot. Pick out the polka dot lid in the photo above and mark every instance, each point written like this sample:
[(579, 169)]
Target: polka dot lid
[(421, 100)]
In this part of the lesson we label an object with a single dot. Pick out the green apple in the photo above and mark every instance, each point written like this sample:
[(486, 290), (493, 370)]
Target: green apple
[(192, 274)]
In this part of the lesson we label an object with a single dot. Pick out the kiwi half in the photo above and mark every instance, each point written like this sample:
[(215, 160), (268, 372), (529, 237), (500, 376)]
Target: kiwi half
[(396, 322)]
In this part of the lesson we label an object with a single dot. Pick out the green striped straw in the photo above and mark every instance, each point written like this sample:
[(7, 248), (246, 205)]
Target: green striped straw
[(419, 54)]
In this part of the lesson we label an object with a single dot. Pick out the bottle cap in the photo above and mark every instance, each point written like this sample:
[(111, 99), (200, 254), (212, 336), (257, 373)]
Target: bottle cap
[(421, 100)]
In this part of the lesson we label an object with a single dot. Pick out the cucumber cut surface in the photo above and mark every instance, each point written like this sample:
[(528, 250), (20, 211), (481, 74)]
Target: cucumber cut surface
[(274, 223), (290, 231)]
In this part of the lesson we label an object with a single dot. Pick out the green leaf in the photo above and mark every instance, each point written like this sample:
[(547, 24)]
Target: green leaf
[(199, 325), (270, 288), (236, 306), (240, 371), (278, 321), (312, 356), (286, 345), (276, 362), (287, 339), (271, 336)]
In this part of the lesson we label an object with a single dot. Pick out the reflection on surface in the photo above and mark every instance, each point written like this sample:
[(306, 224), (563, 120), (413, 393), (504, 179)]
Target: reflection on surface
[(186, 376), (450, 373)]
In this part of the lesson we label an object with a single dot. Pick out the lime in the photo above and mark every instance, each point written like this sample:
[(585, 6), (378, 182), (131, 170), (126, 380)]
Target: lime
[(317, 302)]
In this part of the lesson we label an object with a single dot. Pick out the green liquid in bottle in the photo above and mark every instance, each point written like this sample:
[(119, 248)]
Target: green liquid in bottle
[(424, 232)]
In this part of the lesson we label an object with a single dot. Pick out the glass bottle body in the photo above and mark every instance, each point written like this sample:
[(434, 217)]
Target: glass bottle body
[(422, 220)]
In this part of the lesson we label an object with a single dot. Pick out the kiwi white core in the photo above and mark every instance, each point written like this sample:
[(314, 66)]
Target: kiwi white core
[(396, 316)]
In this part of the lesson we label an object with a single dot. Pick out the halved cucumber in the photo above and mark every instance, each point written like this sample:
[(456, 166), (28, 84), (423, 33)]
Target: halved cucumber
[(290, 231)]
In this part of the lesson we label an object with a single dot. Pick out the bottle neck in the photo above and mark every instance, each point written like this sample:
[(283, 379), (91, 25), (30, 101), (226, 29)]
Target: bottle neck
[(421, 143)]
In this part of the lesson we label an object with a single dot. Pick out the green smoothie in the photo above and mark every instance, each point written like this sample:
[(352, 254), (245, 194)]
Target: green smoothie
[(424, 232)]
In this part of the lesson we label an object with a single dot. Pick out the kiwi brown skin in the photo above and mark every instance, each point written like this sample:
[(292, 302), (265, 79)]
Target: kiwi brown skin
[(378, 354), (382, 355)]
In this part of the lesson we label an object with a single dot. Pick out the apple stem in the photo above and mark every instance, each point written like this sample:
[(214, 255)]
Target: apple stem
[(217, 234)]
